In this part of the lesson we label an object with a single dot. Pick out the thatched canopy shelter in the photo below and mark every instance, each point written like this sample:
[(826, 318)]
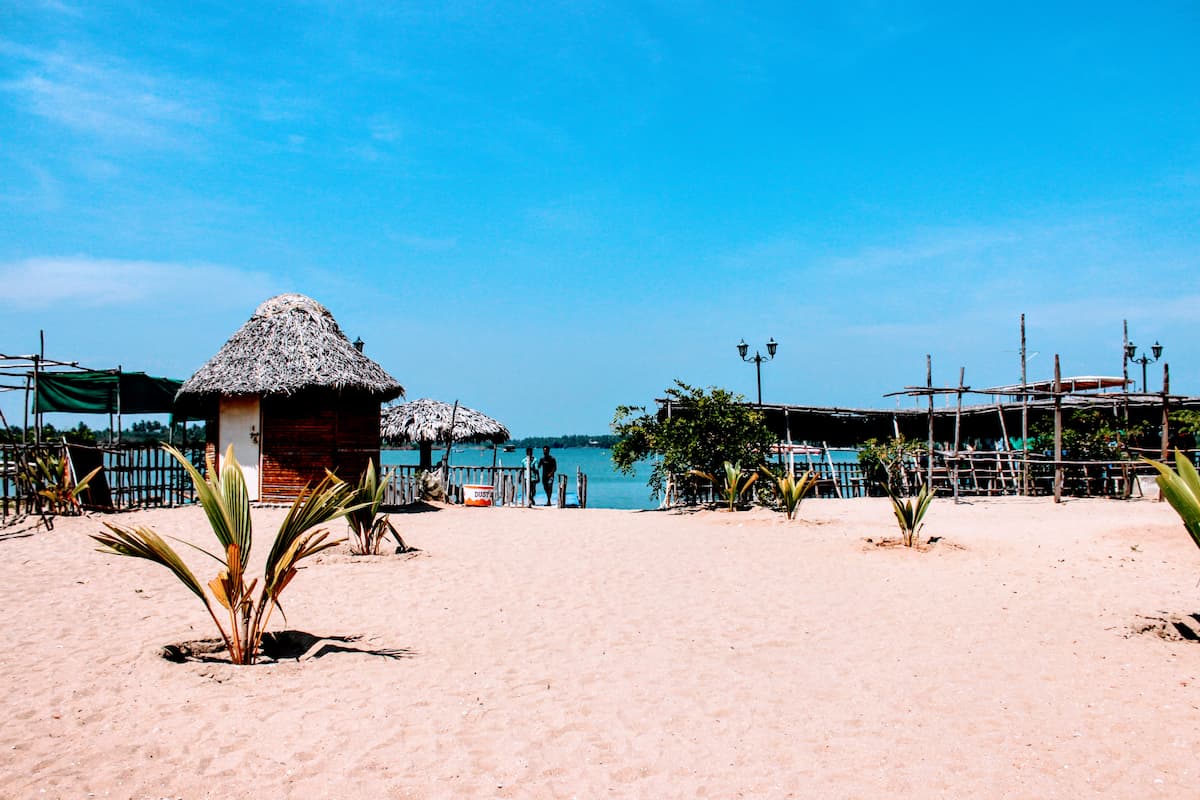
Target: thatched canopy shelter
[(428, 422), (293, 395), (292, 344)]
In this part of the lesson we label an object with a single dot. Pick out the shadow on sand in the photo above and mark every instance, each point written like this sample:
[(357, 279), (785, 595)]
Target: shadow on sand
[(280, 646)]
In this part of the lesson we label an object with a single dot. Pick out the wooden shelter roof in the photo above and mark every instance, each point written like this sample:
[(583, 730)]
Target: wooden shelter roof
[(291, 344), (428, 421)]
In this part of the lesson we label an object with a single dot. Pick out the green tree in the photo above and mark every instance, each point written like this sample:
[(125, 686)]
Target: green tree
[(1088, 434), (705, 429), (882, 462), (1186, 428)]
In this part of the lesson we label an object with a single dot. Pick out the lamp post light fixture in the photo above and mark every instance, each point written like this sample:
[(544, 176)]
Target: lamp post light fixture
[(758, 359), (1131, 351)]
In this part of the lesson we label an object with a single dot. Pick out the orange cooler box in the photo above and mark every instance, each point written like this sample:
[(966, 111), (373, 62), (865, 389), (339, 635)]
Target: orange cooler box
[(477, 494)]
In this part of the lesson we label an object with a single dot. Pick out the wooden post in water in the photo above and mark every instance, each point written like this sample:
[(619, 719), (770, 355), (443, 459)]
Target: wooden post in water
[(1058, 466), (562, 490)]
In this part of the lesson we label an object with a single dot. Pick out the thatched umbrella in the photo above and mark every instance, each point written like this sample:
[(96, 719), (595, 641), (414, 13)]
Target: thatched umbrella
[(427, 422), (291, 344)]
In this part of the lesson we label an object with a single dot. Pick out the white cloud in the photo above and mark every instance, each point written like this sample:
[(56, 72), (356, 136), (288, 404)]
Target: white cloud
[(82, 281), (110, 100)]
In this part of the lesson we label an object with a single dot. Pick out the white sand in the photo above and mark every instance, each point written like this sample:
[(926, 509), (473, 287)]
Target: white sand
[(548, 653)]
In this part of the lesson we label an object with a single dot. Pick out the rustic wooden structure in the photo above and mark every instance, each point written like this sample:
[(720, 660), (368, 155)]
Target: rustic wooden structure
[(509, 482), (428, 422), (293, 396), (134, 476)]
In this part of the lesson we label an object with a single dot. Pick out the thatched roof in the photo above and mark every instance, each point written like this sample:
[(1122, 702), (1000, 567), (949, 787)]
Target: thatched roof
[(429, 421), (291, 344)]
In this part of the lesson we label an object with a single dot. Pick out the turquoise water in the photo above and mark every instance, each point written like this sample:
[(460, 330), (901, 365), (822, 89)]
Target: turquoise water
[(607, 488)]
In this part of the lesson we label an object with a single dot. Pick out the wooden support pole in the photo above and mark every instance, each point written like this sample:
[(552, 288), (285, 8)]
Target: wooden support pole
[(37, 416), (929, 454), (1005, 446), (962, 371), (25, 424), (1058, 466), (837, 486), (1125, 367), (1024, 417), (1166, 410)]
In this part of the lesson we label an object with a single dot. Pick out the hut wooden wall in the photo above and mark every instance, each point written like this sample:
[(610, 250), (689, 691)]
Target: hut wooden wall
[(304, 435)]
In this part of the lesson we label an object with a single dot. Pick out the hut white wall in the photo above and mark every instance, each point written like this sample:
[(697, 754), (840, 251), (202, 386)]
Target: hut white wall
[(239, 424)]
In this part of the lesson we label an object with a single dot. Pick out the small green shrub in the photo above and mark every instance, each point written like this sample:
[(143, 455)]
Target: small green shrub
[(735, 483), (909, 514), (791, 490), (367, 528)]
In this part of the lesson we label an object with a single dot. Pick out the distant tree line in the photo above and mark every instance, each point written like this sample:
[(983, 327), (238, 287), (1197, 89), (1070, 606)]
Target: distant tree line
[(140, 432), (566, 440)]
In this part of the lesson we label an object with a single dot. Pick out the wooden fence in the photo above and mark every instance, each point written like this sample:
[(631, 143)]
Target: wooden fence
[(508, 486), (133, 476), (975, 473)]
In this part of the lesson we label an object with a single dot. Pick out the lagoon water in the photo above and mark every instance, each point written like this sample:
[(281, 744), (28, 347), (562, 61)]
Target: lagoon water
[(607, 488)]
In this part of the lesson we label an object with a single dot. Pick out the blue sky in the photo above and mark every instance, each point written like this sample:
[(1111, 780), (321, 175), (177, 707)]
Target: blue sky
[(547, 211)]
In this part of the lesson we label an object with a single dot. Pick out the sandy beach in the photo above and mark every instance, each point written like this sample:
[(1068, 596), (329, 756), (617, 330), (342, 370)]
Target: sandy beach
[(569, 653)]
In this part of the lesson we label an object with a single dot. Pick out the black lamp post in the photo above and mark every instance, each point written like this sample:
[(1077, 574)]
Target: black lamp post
[(758, 359), (1131, 350)]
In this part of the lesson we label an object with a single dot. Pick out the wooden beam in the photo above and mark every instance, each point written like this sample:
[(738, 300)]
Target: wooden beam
[(1058, 467)]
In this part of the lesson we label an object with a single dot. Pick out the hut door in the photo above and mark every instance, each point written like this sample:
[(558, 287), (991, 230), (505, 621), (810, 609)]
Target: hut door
[(240, 425)]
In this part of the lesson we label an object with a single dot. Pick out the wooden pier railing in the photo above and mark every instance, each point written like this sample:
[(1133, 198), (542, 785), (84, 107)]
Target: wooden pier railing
[(508, 485)]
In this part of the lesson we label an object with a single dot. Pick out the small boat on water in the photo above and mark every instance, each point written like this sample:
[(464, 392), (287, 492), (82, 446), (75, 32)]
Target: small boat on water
[(782, 449)]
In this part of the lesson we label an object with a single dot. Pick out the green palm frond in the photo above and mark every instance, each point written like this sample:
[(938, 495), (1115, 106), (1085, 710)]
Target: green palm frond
[(144, 543), (323, 504), (225, 500), (1181, 488), (236, 499), (735, 485), (910, 512), (791, 489), (211, 499)]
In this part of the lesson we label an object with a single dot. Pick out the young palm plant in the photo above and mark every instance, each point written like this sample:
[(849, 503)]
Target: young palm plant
[(50, 477), (1181, 488), (367, 528), (909, 513), (792, 489), (735, 483), (226, 503)]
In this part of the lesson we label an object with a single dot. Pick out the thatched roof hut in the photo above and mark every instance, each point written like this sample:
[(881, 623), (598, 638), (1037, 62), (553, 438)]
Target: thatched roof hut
[(428, 422), (293, 396), (291, 344)]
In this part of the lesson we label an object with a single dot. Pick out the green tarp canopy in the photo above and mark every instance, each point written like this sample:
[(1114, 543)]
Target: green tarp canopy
[(105, 393)]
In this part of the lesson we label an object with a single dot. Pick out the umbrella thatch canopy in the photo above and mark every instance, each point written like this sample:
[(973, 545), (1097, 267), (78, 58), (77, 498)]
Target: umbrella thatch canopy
[(427, 422), (291, 344)]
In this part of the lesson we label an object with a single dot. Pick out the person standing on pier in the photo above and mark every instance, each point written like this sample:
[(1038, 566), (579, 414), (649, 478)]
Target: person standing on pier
[(548, 467), (531, 477)]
